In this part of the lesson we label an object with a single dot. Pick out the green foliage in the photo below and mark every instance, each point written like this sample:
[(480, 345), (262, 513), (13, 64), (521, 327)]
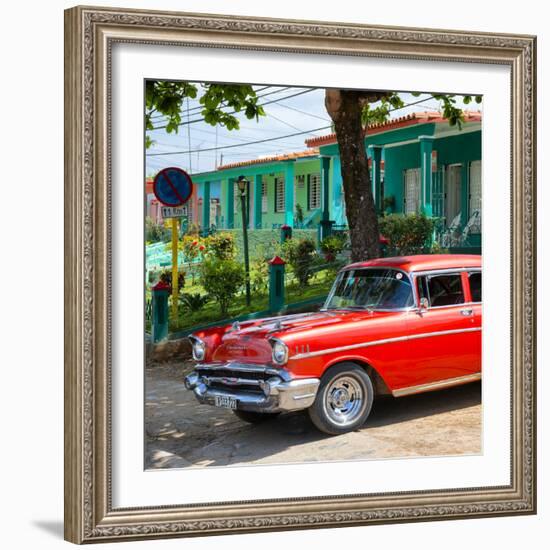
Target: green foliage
[(154, 232), (451, 112), (222, 279), (318, 287), (259, 272), (380, 113), (193, 302), (438, 249), (331, 246), (166, 98), (220, 246), (381, 110), (237, 97), (191, 247), (300, 256), (166, 277), (193, 229), (407, 234)]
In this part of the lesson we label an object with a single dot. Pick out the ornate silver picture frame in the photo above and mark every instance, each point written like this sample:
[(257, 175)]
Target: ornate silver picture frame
[(90, 34)]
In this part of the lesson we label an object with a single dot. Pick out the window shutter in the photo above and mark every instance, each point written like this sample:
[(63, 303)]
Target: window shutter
[(308, 190)]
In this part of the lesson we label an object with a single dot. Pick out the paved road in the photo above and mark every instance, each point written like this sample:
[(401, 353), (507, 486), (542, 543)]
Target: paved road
[(182, 433)]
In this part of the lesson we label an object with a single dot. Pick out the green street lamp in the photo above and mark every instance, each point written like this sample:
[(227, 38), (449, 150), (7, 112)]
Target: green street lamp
[(242, 184)]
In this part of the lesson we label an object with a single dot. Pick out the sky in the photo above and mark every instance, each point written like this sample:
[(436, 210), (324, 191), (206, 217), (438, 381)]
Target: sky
[(289, 110)]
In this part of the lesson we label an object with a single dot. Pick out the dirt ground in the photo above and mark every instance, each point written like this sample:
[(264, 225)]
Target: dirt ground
[(182, 433)]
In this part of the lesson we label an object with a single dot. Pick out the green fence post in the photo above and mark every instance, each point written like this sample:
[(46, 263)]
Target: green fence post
[(159, 325), (276, 284)]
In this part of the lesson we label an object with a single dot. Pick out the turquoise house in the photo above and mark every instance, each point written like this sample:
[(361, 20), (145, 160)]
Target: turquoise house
[(418, 164)]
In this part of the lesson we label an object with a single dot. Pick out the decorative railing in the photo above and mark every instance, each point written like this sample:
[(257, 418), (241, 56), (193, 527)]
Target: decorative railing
[(459, 235), (310, 220)]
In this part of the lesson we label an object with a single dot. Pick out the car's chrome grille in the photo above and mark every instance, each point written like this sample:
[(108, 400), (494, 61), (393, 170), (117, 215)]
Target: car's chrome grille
[(230, 373), (248, 378), (241, 387)]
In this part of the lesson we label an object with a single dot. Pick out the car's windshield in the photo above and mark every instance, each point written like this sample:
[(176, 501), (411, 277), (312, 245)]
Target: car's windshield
[(370, 289)]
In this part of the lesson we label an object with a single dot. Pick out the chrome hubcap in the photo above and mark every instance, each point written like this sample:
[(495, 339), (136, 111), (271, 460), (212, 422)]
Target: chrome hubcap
[(344, 400)]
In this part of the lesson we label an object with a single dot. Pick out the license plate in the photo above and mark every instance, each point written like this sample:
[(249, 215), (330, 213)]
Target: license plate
[(225, 402)]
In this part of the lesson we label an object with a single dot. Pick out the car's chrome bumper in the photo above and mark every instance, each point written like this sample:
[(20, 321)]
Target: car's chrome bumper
[(257, 388)]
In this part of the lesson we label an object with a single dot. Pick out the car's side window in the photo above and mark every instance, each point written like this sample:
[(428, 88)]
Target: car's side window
[(423, 289), (475, 285), (441, 290)]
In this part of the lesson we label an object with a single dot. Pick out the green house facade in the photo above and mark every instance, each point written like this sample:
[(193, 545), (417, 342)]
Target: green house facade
[(419, 163)]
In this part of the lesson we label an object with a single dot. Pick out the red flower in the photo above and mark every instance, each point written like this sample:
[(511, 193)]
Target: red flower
[(201, 247), (194, 243)]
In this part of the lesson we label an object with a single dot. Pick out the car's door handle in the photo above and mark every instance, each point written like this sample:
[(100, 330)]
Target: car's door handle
[(466, 312)]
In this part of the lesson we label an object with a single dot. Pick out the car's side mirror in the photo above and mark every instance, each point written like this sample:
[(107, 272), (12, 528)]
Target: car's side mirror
[(423, 306)]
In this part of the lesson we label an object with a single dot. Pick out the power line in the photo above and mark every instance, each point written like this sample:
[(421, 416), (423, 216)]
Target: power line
[(225, 137), (284, 122), (304, 112), (273, 138), (241, 141), (200, 130), (233, 112), (240, 144)]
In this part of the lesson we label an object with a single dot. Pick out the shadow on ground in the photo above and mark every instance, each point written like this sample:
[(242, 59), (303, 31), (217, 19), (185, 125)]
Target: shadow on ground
[(182, 433)]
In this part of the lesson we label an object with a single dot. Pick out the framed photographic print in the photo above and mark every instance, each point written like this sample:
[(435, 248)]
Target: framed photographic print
[(276, 235)]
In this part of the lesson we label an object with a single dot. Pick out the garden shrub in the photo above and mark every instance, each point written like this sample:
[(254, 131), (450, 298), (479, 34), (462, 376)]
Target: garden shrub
[(222, 280), (155, 232), (221, 246), (407, 234), (193, 229), (300, 256), (331, 246), (166, 277), (193, 302), (259, 268), (192, 248)]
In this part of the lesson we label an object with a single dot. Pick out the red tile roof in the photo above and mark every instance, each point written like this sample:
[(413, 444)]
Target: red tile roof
[(395, 123), (263, 160)]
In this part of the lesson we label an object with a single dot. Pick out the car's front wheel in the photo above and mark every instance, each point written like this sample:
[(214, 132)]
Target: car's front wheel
[(344, 399), (253, 417)]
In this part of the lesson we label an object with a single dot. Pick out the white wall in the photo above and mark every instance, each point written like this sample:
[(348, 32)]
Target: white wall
[(31, 360)]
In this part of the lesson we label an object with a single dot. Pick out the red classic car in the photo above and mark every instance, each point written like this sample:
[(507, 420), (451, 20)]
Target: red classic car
[(394, 326)]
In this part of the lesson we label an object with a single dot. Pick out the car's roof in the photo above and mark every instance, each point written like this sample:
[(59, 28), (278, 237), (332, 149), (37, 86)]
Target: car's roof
[(423, 262)]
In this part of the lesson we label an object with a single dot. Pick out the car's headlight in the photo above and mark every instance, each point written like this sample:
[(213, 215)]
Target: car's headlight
[(279, 351), (199, 348)]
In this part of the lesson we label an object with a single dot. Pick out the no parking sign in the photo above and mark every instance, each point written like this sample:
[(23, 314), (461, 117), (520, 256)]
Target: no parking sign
[(172, 186)]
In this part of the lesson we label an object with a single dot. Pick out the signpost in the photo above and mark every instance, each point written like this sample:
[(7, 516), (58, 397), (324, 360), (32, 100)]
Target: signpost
[(173, 188)]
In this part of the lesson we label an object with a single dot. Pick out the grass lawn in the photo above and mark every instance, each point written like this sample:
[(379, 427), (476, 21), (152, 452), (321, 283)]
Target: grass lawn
[(318, 286)]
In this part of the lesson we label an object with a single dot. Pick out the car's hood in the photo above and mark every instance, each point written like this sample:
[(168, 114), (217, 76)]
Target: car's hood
[(287, 323), (250, 340)]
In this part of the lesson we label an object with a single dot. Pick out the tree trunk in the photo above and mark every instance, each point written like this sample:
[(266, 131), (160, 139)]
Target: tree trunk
[(345, 108)]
